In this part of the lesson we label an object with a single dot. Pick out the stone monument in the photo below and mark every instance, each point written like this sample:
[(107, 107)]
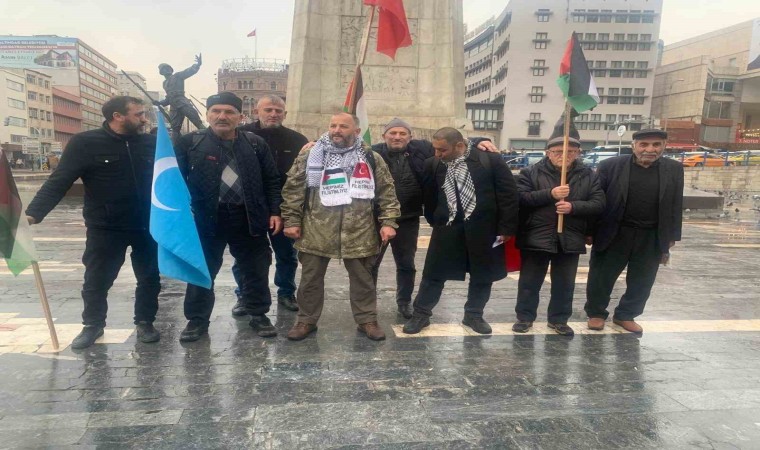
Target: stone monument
[(424, 85)]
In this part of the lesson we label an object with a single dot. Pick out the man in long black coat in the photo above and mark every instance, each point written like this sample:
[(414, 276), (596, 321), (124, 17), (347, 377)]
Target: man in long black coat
[(470, 201), (542, 199), (641, 222)]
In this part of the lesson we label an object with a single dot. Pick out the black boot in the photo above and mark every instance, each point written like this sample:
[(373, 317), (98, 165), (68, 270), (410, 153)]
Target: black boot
[(288, 302), (87, 337), (406, 310), (416, 324), (239, 309), (193, 331), (263, 326), (146, 333), (477, 324)]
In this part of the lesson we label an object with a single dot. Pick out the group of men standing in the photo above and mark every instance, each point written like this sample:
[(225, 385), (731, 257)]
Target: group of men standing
[(254, 189)]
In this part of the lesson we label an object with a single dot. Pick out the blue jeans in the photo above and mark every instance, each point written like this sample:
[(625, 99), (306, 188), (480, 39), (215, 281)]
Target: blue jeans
[(286, 263)]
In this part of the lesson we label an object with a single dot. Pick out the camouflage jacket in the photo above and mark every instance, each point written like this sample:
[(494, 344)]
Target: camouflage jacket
[(347, 231)]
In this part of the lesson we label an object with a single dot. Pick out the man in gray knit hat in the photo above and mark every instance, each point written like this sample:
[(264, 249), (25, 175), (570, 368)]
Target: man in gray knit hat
[(406, 160)]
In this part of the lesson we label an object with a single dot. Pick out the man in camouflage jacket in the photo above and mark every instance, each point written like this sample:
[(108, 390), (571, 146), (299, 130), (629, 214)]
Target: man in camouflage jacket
[(346, 231)]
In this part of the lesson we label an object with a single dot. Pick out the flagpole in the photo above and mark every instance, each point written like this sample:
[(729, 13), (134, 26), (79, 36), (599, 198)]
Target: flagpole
[(563, 174), (45, 305), (362, 54)]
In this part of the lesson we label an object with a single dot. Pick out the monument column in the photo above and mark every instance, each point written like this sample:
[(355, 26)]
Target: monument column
[(424, 85)]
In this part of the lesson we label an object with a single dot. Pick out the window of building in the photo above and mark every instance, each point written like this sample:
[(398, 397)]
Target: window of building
[(543, 15), (644, 47), (639, 91), (240, 85), (539, 67), (534, 128), (635, 16), (592, 16), (47, 99), (579, 15), (632, 37), (638, 100), (33, 113), (621, 16), (627, 91), (619, 36), (606, 16), (31, 96), (18, 104), (631, 47), (719, 85), (47, 84), (14, 86), (648, 16), (604, 36), (537, 94), (540, 45), (645, 37), (17, 138), (611, 118), (732, 62), (31, 79), (602, 46), (642, 64), (48, 116), (273, 85)]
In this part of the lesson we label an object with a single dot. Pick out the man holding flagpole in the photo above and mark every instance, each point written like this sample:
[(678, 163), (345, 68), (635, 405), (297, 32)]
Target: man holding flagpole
[(115, 163)]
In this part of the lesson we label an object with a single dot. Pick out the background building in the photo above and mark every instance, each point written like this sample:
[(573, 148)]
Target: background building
[(704, 92), (512, 64), (127, 87), (14, 113), (250, 79), (73, 66), (67, 116), (39, 95)]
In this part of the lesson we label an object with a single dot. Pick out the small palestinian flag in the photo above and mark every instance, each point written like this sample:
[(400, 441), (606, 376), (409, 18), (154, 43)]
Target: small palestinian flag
[(575, 79), (333, 176), (16, 244), (355, 104)]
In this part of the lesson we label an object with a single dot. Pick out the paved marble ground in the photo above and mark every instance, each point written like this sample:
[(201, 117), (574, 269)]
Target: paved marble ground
[(691, 381)]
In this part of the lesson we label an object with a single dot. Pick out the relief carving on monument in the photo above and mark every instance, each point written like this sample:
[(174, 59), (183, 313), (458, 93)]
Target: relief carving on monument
[(383, 81)]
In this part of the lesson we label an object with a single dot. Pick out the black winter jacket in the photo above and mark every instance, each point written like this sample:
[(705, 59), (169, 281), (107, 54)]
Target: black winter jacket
[(117, 172), (199, 156), (407, 170), (538, 215), (284, 143)]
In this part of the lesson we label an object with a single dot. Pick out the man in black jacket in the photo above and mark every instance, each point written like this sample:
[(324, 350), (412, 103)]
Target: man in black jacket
[(542, 200), (115, 163), (641, 222), (471, 202), (235, 195), (285, 145), (406, 160)]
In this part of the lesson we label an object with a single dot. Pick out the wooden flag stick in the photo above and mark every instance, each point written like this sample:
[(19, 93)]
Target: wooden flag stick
[(563, 176), (362, 56), (45, 305)]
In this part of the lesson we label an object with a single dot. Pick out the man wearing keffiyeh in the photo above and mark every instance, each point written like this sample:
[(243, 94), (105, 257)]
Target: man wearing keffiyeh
[(336, 194), (471, 203)]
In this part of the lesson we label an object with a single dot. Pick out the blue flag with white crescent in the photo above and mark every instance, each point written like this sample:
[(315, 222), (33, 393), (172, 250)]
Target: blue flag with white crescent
[(180, 254)]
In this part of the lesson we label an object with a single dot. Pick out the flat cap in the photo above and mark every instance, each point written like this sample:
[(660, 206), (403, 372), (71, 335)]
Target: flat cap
[(225, 98), (650, 132)]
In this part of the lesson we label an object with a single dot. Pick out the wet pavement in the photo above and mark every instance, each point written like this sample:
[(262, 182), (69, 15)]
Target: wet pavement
[(691, 381)]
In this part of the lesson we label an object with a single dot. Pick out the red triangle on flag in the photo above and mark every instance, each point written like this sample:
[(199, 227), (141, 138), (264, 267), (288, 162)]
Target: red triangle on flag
[(252, 33)]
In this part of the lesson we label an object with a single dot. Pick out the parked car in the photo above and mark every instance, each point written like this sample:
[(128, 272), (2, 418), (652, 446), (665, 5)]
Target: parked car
[(617, 149), (705, 159), (746, 158), (592, 159)]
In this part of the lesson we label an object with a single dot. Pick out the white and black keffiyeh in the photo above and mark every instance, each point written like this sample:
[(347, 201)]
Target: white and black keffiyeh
[(340, 173), (458, 179)]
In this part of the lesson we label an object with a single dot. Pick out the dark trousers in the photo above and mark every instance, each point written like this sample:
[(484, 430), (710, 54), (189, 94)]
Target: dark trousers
[(361, 289), (252, 254), (104, 254), (532, 275), (286, 264), (404, 247), (430, 291), (639, 250)]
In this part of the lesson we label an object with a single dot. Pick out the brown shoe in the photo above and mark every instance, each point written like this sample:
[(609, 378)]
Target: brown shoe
[(372, 330), (629, 325), (300, 330), (595, 323)]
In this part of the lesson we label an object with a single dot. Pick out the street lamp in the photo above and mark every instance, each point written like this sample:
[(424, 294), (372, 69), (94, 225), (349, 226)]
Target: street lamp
[(670, 92)]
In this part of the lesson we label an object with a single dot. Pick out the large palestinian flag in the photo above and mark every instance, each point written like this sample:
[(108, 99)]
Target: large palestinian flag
[(355, 104), (16, 245), (575, 78)]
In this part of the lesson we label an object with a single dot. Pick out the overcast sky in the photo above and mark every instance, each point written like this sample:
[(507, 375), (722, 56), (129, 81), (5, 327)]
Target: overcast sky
[(140, 34)]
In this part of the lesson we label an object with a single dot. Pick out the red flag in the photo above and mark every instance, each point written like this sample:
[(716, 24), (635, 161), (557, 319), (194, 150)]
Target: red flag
[(252, 33), (361, 171), (393, 29)]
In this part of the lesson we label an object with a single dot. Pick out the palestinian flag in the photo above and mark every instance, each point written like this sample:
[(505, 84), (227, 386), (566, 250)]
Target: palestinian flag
[(575, 79), (16, 245), (355, 104), (334, 176)]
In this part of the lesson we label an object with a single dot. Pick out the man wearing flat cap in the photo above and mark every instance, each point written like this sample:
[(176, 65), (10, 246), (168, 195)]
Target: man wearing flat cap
[(640, 224), (235, 192), (542, 200), (406, 160)]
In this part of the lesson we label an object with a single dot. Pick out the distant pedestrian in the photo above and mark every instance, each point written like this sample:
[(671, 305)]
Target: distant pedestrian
[(115, 163), (640, 224), (471, 203), (542, 200)]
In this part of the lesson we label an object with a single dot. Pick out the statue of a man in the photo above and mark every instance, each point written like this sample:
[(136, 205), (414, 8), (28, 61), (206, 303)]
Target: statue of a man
[(181, 107)]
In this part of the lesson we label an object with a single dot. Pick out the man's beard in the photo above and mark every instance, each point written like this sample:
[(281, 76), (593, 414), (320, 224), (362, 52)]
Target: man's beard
[(342, 142)]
